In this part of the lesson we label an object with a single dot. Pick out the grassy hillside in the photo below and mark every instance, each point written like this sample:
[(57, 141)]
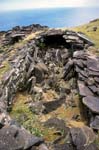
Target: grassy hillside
[(89, 30)]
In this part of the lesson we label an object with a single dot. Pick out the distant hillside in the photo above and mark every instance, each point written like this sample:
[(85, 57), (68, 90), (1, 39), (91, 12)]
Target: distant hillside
[(91, 30)]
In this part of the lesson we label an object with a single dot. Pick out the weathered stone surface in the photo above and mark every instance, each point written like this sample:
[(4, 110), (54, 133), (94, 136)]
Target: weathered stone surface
[(64, 147), (94, 89), (92, 103), (82, 137), (80, 55), (95, 123), (43, 147), (39, 71), (79, 63), (93, 73), (83, 89), (90, 81), (85, 39), (37, 107), (8, 140), (82, 72), (93, 64), (97, 79), (13, 138), (68, 68), (4, 119)]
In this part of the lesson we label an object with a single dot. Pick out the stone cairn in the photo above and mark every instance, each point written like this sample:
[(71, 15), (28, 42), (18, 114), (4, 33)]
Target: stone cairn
[(25, 68)]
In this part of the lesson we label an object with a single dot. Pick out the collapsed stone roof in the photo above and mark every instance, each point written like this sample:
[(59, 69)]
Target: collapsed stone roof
[(35, 62)]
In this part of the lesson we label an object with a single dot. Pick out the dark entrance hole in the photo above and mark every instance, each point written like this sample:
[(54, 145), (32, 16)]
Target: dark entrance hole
[(55, 41)]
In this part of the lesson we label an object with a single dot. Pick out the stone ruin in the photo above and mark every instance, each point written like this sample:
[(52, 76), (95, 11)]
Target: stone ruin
[(31, 66)]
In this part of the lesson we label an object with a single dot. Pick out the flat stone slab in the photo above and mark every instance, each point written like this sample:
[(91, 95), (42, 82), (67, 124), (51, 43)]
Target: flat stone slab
[(80, 55), (93, 64), (92, 103), (97, 79), (83, 89), (79, 63), (93, 73), (94, 89), (82, 137), (95, 123)]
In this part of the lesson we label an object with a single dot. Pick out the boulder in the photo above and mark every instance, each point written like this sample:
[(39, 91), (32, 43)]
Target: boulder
[(92, 103)]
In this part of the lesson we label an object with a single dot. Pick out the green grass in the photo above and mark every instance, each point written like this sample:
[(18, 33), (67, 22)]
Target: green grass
[(21, 113)]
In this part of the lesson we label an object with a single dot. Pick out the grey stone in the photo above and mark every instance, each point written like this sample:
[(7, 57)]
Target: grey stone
[(90, 81), (8, 140), (80, 55), (97, 79), (95, 123), (93, 64), (93, 73), (14, 138), (37, 107), (83, 89), (43, 147), (79, 63), (92, 103), (66, 146), (82, 137), (39, 71), (94, 89), (92, 146)]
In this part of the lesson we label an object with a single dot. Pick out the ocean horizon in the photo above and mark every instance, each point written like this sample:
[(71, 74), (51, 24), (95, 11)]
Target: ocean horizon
[(51, 17)]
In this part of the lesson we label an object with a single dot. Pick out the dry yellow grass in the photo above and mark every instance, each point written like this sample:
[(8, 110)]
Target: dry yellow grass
[(87, 29)]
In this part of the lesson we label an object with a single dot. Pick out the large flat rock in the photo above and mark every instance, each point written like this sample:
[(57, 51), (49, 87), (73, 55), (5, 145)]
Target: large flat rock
[(92, 103), (83, 89), (93, 64)]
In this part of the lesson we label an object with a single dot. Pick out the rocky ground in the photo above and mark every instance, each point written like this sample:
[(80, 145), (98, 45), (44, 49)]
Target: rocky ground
[(49, 90)]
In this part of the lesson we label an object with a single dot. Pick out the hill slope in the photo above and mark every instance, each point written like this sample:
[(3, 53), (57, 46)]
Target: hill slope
[(91, 30)]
